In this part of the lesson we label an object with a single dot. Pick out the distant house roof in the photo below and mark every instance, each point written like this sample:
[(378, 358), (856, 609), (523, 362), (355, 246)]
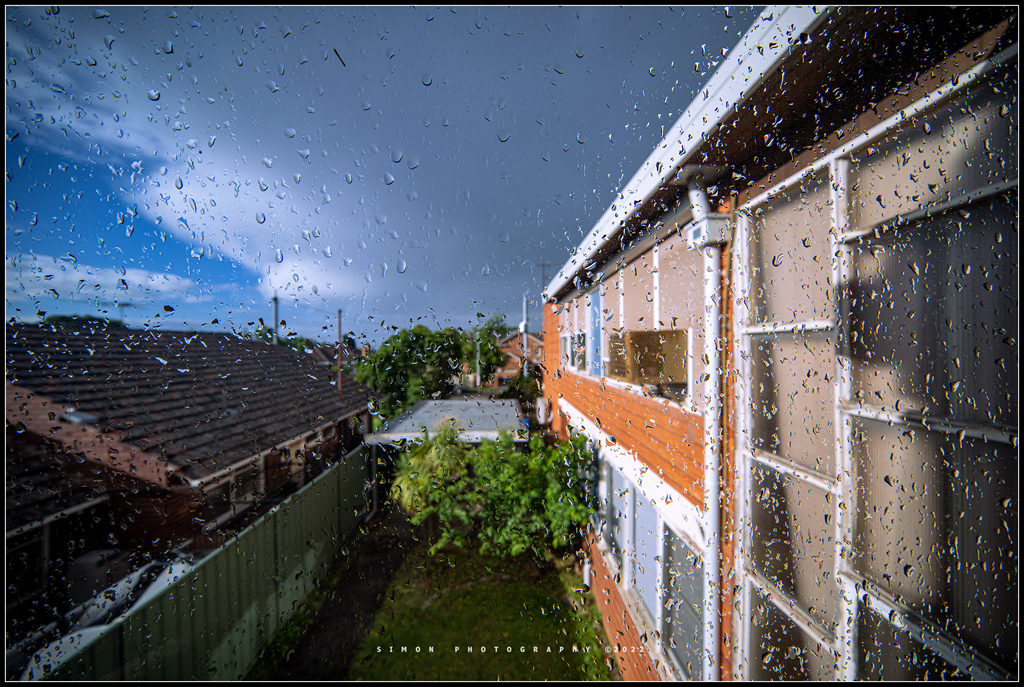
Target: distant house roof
[(477, 420), (37, 488), (180, 403), (517, 337), (326, 354)]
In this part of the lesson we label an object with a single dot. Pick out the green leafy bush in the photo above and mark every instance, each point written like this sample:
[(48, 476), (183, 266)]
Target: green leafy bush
[(526, 390), (500, 498)]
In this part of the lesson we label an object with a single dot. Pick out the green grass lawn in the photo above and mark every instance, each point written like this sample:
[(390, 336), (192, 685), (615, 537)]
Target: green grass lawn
[(461, 616)]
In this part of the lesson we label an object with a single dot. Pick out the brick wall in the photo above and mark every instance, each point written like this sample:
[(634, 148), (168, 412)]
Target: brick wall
[(625, 641), (669, 440)]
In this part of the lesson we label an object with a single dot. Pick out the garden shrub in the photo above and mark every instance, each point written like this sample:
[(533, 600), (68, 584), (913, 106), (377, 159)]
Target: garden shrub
[(505, 500)]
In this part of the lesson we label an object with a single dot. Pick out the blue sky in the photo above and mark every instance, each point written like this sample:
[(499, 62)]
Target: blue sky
[(403, 164)]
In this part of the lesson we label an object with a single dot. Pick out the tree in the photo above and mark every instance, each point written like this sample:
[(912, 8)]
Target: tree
[(488, 334), (299, 344), (413, 364)]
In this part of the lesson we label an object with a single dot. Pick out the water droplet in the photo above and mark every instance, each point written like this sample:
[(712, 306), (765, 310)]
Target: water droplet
[(426, 80), (108, 41), (268, 163), (290, 133), (278, 256), (388, 179), (260, 219), (503, 137), (168, 48), (100, 14), (396, 156), (348, 177), (327, 251), (153, 94), (178, 183), (402, 266)]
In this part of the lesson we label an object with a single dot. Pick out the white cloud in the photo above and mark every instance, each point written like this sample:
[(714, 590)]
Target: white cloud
[(41, 277)]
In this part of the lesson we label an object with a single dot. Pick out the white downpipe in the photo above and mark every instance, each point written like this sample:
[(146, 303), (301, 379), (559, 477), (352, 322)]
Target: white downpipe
[(712, 459)]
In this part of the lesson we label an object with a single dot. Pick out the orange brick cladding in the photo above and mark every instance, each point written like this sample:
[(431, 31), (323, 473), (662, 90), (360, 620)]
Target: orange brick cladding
[(628, 648), (665, 438), (670, 442)]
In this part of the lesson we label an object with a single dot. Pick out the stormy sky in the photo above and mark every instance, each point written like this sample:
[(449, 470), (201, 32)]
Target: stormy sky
[(176, 167)]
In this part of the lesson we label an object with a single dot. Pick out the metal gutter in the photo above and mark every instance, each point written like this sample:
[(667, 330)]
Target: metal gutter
[(757, 55)]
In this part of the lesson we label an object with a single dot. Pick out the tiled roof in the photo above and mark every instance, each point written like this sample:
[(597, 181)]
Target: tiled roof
[(37, 486), (200, 401)]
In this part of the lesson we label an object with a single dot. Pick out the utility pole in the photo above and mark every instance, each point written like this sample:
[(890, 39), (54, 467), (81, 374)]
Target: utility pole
[(342, 353), (477, 360), (526, 349), (275, 318)]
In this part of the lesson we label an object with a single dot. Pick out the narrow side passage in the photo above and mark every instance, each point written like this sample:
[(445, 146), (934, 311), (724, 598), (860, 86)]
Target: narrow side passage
[(351, 603)]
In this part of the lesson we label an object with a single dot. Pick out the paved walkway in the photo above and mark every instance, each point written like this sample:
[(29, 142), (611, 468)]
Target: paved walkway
[(351, 604)]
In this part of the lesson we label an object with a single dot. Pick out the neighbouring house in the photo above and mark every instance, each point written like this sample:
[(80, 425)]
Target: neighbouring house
[(512, 348), (54, 513), (195, 433), (792, 341), (328, 356)]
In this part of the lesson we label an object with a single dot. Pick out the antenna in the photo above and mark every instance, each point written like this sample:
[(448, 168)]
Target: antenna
[(544, 273)]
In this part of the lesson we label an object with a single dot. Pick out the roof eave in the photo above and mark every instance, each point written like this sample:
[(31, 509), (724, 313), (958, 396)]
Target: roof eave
[(759, 53)]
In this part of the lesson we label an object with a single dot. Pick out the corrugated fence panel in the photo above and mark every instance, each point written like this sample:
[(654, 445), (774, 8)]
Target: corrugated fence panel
[(213, 623)]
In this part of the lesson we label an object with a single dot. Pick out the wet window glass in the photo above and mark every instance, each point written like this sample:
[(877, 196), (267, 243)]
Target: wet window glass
[(475, 343)]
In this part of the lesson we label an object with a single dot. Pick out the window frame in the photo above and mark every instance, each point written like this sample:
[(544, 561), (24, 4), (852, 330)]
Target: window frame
[(858, 595)]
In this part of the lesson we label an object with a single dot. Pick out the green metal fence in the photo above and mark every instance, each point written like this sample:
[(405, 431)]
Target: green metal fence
[(214, 621)]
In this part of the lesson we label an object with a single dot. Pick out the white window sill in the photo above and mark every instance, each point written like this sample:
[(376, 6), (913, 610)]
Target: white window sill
[(686, 406)]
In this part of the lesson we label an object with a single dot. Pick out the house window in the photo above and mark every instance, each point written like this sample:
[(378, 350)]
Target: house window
[(683, 593), (660, 359), (620, 502), (218, 500), (593, 332), (579, 351), (650, 330), (245, 485), (645, 555)]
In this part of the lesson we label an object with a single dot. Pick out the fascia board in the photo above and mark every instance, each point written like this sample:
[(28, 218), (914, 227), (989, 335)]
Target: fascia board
[(757, 55)]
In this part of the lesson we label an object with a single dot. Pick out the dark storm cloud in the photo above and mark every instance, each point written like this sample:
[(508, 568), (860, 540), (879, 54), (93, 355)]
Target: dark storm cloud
[(396, 162)]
